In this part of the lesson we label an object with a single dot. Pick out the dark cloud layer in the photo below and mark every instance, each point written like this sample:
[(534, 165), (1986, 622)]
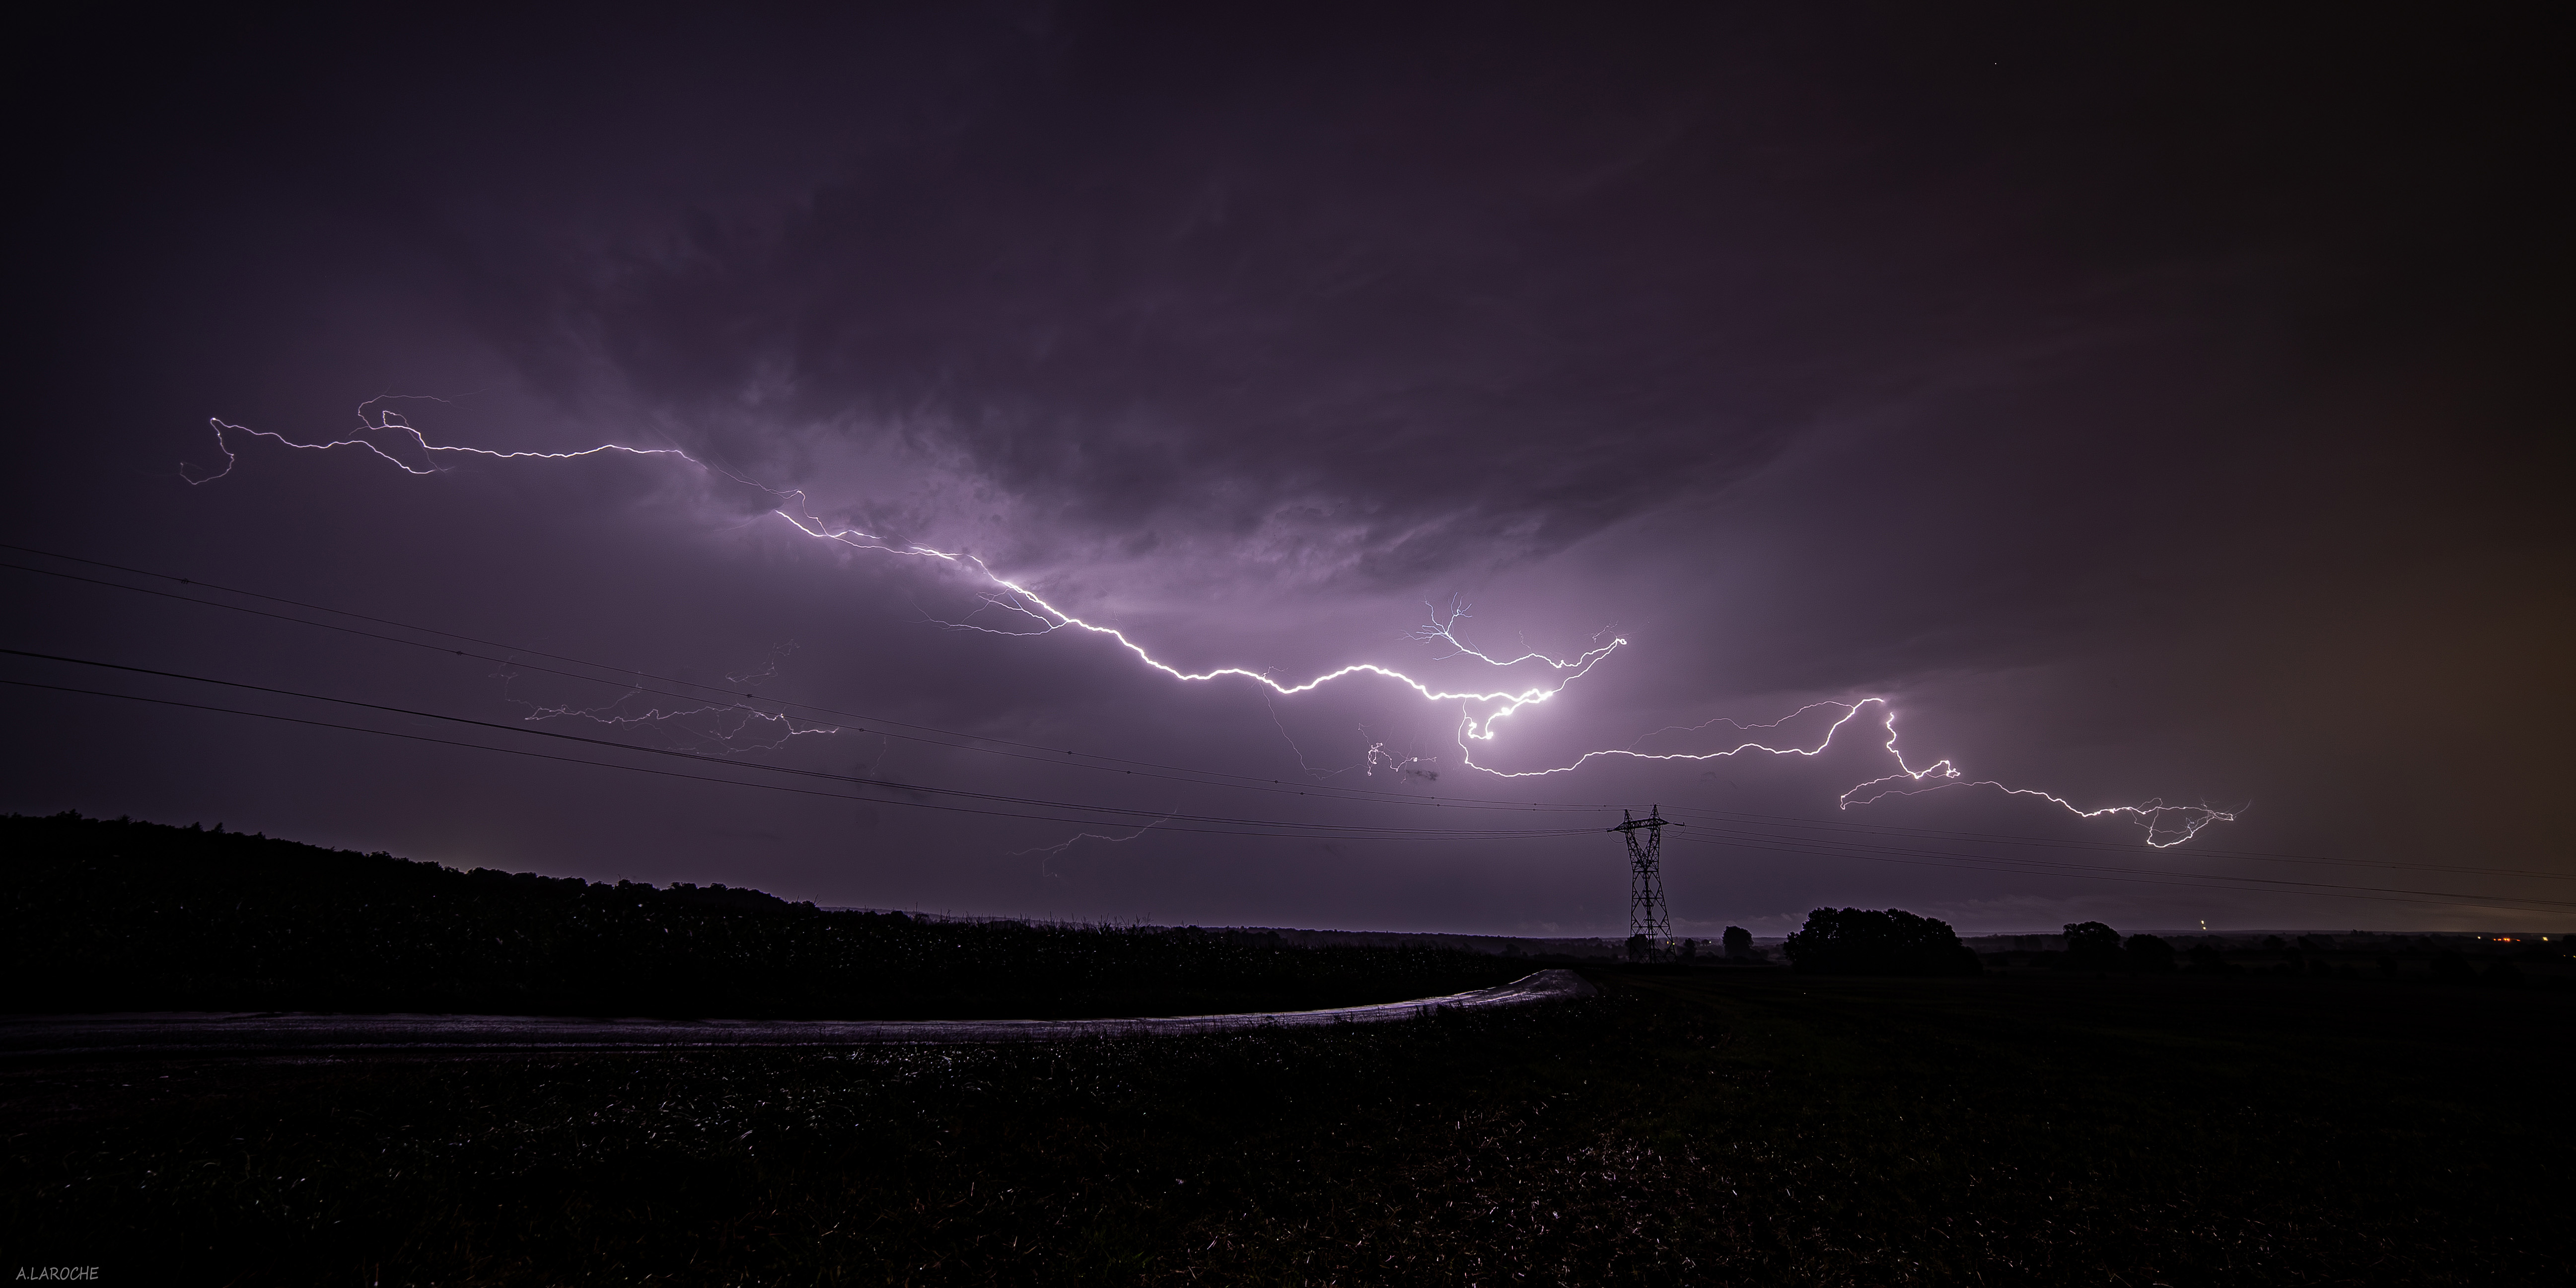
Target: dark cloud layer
[(2158, 405)]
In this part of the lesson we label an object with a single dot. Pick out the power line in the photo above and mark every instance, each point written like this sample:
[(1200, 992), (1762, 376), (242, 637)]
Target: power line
[(1388, 834), (726, 699), (889, 784), (1233, 826), (1973, 863), (1042, 754), (1196, 776)]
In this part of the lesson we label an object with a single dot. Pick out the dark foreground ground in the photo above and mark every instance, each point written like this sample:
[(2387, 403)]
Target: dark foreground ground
[(1755, 1129)]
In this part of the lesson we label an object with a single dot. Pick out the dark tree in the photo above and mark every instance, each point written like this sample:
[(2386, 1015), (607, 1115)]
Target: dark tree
[(1856, 941), (2090, 945), (2149, 955), (2451, 968), (2206, 960), (1739, 943)]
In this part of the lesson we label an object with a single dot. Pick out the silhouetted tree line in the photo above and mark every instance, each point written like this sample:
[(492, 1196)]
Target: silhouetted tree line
[(2093, 946), (118, 915), (1856, 941), (2321, 959)]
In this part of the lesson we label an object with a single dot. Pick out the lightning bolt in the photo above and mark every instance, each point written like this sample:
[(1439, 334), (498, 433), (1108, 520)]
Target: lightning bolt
[(1078, 837), (2165, 825), (767, 670), (388, 421), (1481, 710), (728, 728), (1035, 606), (716, 729)]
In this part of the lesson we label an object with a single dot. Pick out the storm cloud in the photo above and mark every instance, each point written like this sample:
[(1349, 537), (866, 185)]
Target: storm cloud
[(2149, 407)]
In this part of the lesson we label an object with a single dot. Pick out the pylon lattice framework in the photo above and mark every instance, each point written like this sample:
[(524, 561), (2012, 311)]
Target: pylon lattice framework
[(1647, 915)]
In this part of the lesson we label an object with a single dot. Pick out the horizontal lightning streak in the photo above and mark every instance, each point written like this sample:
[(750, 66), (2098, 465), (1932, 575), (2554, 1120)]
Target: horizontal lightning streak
[(782, 727), (2164, 825), (1070, 841), (1806, 848), (2152, 814), (1866, 830)]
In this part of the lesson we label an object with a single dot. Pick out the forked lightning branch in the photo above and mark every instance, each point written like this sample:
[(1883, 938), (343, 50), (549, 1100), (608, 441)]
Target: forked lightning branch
[(1481, 710)]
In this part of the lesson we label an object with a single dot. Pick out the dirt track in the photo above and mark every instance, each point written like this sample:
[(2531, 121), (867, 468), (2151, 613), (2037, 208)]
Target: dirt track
[(246, 1033)]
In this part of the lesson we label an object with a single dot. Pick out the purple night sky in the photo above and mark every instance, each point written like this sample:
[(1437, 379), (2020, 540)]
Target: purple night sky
[(2146, 407)]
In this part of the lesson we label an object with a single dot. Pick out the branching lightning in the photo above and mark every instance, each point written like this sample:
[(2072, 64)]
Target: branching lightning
[(1480, 710), (1377, 757), (711, 728), (721, 730), (1069, 842), (2165, 825), (394, 422), (767, 670)]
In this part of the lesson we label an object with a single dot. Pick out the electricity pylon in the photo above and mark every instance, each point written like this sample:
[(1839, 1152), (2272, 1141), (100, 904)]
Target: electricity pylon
[(1646, 912)]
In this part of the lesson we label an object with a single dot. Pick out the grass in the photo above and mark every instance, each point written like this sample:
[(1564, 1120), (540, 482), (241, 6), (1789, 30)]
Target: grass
[(1750, 1128)]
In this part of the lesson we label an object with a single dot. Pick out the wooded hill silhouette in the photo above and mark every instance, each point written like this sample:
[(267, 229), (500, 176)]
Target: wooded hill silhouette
[(102, 915)]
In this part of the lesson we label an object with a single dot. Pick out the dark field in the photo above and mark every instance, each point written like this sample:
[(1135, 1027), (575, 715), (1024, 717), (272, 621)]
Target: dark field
[(1753, 1128)]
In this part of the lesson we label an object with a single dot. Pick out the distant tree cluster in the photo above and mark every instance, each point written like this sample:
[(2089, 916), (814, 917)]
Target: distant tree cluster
[(115, 915), (1856, 941), (2092, 946)]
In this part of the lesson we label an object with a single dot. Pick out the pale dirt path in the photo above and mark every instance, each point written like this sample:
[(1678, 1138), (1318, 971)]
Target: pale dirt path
[(215, 1033)]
